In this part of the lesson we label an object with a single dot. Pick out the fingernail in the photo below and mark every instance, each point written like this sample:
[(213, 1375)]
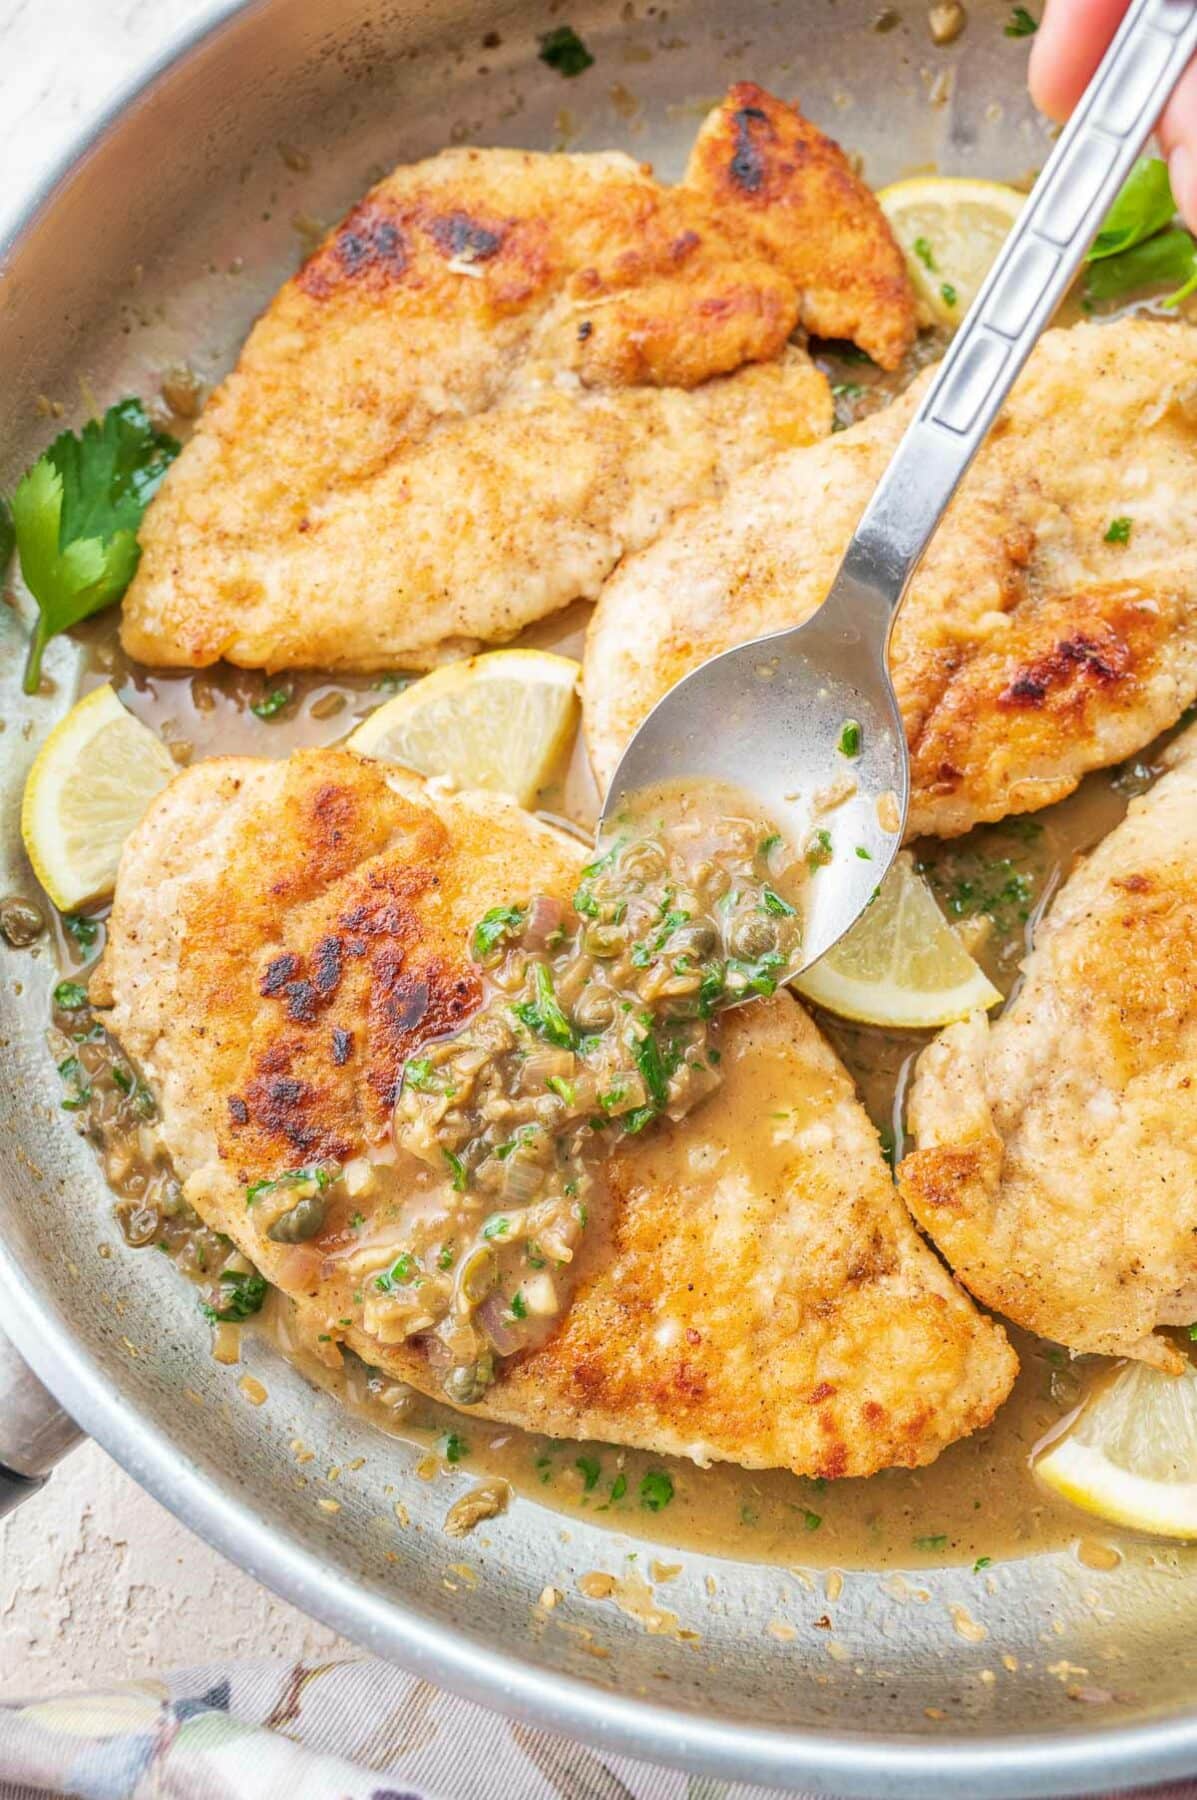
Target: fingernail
[(1182, 172)]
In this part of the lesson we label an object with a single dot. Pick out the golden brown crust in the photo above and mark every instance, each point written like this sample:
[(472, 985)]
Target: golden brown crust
[(498, 374), (1055, 1164), (794, 194), (1032, 646), (284, 935)]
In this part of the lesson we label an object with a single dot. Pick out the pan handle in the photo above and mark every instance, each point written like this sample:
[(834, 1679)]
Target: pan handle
[(34, 1431)]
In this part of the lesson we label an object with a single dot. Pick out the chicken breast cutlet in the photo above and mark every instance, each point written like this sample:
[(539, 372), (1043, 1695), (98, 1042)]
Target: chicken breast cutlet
[(1052, 626), (499, 373), (1056, 1159), (286, 935)]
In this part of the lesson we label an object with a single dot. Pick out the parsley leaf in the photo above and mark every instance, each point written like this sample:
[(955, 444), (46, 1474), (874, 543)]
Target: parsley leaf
[(543, 1015), (773, 903), (71, 996), (400, 1274), (243, 1291), (75, 516), (82, 929), (656, 1490), (290, 1178), (590, 1469), (562, 49), (271, 704), (1021, 23), (493, 927), (1118, 531)]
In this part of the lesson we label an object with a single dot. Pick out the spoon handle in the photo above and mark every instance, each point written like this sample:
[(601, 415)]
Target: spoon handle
[(1092, 158)]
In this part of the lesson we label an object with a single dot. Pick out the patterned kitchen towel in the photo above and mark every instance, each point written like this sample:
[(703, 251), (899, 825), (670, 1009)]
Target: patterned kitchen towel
[(351, 1729)]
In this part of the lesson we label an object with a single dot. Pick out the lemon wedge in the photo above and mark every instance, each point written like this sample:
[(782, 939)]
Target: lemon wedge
[(91, 782), (501, 722), (1130, 1455), (901, 964), (950, 231)]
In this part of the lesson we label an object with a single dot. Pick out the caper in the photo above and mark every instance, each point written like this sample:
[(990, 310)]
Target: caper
[(468, 1384), (594, 1009), (478, 1275), (301, 1222), (753, 936), (21, 922), (698, 939), (643, 861), (604, 940)]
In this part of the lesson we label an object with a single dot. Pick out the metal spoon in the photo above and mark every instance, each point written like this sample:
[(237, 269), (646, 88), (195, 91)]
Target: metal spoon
[(770, 716)]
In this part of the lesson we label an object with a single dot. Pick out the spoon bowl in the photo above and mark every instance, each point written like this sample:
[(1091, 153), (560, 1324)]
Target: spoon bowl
[(807, 722), (770, 714)]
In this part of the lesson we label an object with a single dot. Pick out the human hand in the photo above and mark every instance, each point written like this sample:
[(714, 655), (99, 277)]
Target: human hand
[(1069, 45)]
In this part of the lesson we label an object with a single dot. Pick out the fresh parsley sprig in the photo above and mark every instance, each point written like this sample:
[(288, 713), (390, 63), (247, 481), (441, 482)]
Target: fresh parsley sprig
[(74, 519)]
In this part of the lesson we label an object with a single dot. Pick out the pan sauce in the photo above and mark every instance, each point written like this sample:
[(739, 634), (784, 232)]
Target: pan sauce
[(978, 1502)]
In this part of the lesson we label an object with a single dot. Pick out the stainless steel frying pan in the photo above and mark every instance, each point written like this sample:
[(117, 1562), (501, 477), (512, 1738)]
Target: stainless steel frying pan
[(160, 241)]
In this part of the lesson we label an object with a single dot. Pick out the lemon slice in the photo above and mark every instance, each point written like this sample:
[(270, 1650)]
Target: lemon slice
[(501, 722), (92, 781), (901, 963), (950, 231), (1131, 1454)]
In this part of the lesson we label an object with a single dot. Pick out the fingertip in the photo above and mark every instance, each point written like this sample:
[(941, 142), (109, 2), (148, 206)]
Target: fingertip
[(1182, 172)]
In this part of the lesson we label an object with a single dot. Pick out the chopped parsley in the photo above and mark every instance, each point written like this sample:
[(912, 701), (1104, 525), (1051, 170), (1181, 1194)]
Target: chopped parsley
[(656, 1490), (768, 844), (564, 1090), (850, 738), (498, 1225), (494, 927), (864, 855), (454, 1448), (400, 1274), (543, 1015), (925, 254), (982, 1562), (948, 293), (71, 1070), (1118, 531), (937, 1540), (619, 1487), (811, 1520), (291, 1178), (417, 1073), (1021, 24), (819, 853), (242, 1294), (563, 50), (71, 996), (83, 930), (458, 1171), (271, 705), (519, 1306), (590, 1469), (757, 977), (655, 1069), (773, 903)]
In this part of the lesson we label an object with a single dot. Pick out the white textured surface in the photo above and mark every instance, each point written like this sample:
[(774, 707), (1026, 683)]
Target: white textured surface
[(96, 1580)]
